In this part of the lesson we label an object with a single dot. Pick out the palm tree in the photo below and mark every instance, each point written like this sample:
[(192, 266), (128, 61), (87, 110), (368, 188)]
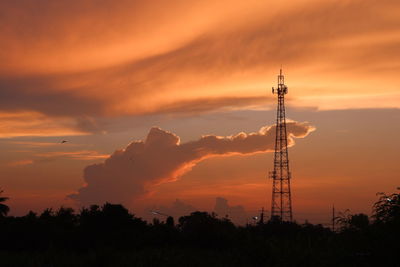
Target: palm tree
[(4, 209)]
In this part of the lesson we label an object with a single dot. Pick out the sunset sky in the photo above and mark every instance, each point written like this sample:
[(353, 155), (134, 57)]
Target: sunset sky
[(172, 101)]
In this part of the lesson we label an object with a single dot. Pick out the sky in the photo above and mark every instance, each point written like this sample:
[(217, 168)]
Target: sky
[(167, 105)]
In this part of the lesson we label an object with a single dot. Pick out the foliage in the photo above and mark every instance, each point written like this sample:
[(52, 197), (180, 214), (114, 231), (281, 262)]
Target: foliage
[(353, 221), (109, 235), (387, 208), (4, 209)]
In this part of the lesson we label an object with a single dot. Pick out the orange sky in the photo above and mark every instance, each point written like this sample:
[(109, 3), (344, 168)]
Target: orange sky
[(100, 74)]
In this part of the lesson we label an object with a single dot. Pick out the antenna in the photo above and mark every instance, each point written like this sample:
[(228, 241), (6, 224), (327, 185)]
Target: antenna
[(281, 194)]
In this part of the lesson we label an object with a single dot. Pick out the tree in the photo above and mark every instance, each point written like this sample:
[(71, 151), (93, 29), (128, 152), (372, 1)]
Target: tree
[(387, 208), (358, 221), (206, 229), (170, 221), (4, 209), (353, 221)]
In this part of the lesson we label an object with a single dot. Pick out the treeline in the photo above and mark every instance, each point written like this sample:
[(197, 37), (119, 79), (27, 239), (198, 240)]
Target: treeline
[(110, 236)]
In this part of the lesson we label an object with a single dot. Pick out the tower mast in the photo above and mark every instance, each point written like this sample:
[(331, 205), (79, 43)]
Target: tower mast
[(281, 206)]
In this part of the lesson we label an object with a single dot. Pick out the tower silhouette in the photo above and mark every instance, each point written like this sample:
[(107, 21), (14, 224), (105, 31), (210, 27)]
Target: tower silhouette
[(281, 206)]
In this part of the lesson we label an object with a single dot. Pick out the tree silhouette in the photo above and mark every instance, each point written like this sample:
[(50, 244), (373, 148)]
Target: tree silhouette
[(358, 221), (4, 209), (170, 221), (387, 208), (352, 221), (206, 229), (109, 235)]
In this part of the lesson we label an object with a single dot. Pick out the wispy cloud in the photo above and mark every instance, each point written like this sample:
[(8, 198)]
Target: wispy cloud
[(36, 124), (77, 155), (33, 144), (18, 163), (86, 155)]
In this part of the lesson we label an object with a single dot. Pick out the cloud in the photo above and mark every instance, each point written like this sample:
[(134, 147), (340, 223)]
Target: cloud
[(120, 90), (53, 95), (180, 208), (203, 105), (177, 209), (77, 155), (88, 155), (58, 60), (52, 109), (59, 67), (34, 144), (134, 171), (77, 35), (19, 163), (236, 213), (37, 124)]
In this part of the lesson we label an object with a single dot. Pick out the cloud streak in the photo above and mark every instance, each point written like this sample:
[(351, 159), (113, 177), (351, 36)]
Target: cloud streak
[(76, 155), (38, 124), (134, 171)]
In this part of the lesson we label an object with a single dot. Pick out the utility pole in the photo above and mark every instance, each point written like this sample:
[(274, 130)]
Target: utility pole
[(281, 195), (333, 218), (261, 216)]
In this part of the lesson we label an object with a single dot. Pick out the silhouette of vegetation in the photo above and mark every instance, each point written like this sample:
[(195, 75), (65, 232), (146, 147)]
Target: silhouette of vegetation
[(110, 235), (387, 209), (353, 221), (4, 209)]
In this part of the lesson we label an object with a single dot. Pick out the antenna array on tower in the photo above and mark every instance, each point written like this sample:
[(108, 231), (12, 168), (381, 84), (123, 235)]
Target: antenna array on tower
[(281, 195)]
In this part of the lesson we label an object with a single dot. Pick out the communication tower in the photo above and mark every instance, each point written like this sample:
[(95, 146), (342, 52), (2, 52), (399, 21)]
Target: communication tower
[(281, 195)]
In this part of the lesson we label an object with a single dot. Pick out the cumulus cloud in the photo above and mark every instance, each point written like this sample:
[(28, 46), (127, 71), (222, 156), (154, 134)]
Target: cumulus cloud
[(236, 213), (134, 171), (177, 209)]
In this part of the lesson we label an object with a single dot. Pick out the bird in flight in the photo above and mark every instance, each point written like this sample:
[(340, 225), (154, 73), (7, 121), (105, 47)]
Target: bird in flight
[(63, 141)]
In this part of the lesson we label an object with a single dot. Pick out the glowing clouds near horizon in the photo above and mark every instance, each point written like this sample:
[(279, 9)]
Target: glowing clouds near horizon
[(134, 171)]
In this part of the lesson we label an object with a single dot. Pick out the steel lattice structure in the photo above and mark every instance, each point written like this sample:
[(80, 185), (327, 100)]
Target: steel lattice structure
[(281, 206)]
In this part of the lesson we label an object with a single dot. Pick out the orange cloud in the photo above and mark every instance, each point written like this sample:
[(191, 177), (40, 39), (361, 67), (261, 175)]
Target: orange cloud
[(46, 156), (20, 163), (36, 124), (99, 57), (161, 158), (77, 155), (82, 60), (37, 144)]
